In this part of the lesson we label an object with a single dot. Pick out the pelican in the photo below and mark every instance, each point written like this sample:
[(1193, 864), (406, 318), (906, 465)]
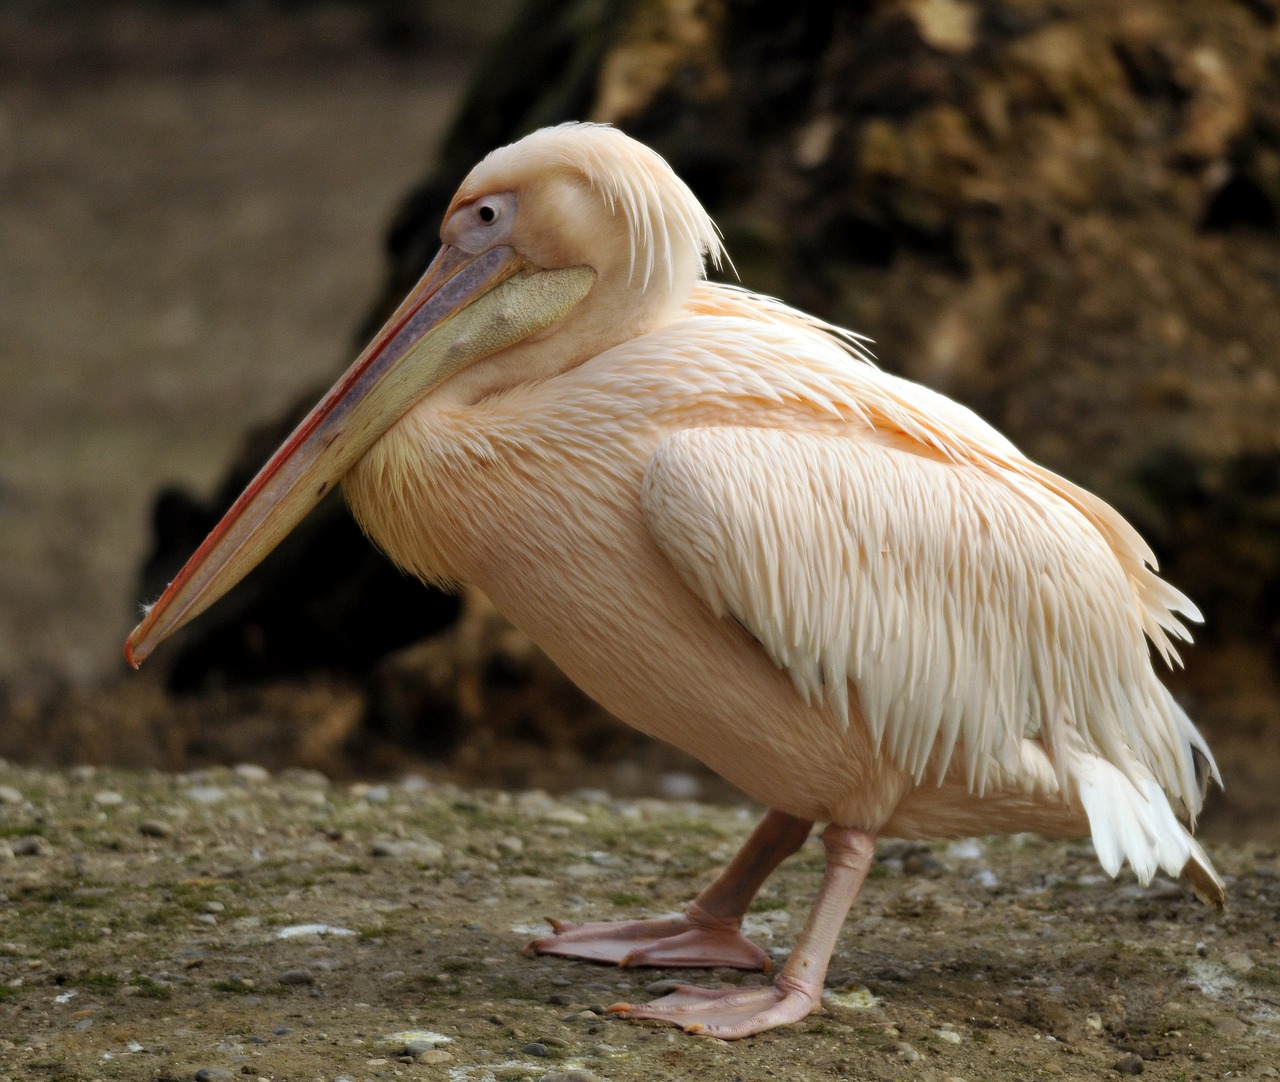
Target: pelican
[(844, 592)]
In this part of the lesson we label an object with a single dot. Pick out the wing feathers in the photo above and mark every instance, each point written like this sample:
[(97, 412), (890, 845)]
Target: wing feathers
[(966, 608)]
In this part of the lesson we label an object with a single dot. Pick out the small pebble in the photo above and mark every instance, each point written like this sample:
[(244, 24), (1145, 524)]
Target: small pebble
[(307, 795), (297, 976), (295, 931), (1130, 1064), (535, 1048), (282, 1031), (568, 816), (214, 907), (33, 845), (661, 988), (108, 799), (10, 795), (424, 849), (213, 1074), (155, 828), (679, 785), (434, 1055), (987, 879), (905, 1051), (1238, 962), (252, 772), (923, 863), (312, 778), (577, 1074), (206, 794)]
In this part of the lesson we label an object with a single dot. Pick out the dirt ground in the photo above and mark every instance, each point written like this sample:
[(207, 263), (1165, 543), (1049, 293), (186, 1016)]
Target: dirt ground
[(190, 207), (157, 926)]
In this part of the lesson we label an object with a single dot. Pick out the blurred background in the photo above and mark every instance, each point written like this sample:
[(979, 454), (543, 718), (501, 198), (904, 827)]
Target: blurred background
[(1063, 215)]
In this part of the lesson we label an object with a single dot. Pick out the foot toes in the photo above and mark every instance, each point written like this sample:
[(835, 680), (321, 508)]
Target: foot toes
[(726, 1014)]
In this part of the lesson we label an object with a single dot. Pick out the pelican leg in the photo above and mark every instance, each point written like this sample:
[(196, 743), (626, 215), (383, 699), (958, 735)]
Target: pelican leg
[(708, 932), (740, 1012)]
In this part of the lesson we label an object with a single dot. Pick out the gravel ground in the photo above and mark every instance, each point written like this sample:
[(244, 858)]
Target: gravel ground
[(235, 923)]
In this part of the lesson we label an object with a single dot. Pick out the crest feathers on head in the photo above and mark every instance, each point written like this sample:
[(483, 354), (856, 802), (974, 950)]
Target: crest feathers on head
[(664, 216)]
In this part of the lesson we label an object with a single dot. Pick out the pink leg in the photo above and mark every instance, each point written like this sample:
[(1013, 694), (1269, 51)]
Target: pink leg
[(708, 933), (797, 990)]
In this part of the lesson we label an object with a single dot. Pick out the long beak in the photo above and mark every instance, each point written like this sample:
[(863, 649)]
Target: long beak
[(464, 307)]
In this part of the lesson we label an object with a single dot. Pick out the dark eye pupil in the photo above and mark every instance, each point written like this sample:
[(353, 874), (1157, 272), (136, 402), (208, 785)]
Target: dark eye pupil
[(487, 213)]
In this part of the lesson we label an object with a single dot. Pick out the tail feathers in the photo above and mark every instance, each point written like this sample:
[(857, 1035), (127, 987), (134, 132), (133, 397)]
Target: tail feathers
[(1204, 878), (1135, 823), (1196, 770)]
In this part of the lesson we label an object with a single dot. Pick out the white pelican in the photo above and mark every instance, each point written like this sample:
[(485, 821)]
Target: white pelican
[(844, 592)]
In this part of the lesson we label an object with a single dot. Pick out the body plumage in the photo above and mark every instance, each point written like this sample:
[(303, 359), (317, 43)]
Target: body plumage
[(844, 592)]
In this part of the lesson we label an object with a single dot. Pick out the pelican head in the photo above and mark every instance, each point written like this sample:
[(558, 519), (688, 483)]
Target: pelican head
[(571, 240)]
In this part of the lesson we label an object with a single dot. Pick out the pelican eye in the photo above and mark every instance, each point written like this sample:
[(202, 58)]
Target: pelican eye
[(480, 224)]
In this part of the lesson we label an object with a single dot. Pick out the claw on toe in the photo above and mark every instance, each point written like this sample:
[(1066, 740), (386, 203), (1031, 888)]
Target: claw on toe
[(558, 927)]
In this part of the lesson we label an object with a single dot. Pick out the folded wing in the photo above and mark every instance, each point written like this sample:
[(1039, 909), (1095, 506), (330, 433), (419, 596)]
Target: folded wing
[(953, 607)]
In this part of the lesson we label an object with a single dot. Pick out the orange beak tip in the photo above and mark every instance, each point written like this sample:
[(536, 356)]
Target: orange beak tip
[(136, 651)]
